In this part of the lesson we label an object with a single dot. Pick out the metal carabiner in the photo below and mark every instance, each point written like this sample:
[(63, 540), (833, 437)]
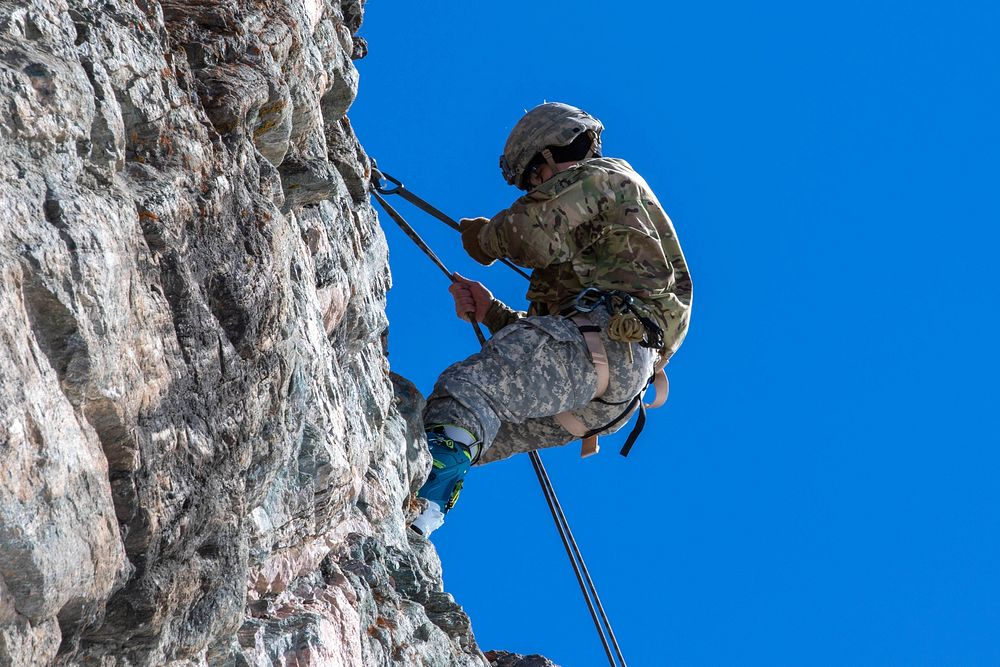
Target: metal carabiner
[(378, 176), (593, 295)]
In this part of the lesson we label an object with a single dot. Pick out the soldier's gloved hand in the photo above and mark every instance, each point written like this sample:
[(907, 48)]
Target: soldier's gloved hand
[(471, 297), (470, 228)]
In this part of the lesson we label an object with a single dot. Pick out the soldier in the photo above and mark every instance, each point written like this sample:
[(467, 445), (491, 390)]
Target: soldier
[(610, 301)]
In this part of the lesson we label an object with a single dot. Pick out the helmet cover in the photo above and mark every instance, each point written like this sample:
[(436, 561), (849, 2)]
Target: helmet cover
[(549, 124)]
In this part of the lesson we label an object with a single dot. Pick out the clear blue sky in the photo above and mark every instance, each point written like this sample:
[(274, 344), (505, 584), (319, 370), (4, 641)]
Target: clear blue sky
[(822, 487)]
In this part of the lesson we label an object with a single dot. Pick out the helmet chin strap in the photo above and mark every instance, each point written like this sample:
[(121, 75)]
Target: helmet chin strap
[(547, 154), (594, 149), (594, 143)]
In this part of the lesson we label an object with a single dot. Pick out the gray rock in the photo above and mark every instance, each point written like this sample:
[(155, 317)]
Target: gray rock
[(306, 182), (206, 460), (506, 659)]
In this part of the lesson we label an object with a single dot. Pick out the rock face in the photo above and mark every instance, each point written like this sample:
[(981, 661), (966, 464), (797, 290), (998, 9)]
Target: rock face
[(506, 659), (204, 458)]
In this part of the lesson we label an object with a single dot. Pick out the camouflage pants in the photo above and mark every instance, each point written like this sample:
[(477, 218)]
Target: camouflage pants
[(529, 371)]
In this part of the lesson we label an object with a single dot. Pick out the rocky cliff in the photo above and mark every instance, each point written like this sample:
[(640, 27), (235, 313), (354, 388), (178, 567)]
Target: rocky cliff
[(204, 458)]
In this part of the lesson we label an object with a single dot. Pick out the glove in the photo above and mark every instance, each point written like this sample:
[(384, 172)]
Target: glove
[(471, 297), (470, 228)]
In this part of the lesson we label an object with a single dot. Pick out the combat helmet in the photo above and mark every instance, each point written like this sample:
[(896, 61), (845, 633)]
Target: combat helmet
[(549, 125)]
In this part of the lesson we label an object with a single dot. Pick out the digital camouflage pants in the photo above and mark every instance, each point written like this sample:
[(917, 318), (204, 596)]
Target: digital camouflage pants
[(529, 371)]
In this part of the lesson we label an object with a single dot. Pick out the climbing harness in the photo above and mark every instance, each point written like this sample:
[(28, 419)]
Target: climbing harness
[(587, 586), (628, 325)]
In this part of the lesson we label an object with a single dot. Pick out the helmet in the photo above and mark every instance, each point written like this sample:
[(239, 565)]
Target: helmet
[(550, 124)]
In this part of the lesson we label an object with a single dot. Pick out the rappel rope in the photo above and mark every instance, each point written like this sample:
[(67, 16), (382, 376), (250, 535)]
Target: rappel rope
[(576, 558), (587, 586), (409, 231), (401, 190)]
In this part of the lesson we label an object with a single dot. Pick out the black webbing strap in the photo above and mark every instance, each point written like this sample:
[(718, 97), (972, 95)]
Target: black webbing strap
[(636, 430), (640, 423)]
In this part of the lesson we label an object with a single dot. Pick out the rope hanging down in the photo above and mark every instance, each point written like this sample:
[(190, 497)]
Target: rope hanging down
[(576, 559), (587, 586)]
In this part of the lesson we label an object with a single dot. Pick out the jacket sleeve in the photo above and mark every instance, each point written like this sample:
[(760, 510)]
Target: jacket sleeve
[(541, 228), (500, 315)]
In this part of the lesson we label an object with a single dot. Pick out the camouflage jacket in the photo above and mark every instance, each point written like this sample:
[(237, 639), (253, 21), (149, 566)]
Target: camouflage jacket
[(596, 224)]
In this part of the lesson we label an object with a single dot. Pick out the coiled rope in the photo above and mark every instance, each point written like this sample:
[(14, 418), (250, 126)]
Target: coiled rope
[(626, 328)]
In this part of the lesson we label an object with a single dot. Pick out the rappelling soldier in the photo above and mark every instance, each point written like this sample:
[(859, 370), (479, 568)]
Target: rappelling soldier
[(610, 299)]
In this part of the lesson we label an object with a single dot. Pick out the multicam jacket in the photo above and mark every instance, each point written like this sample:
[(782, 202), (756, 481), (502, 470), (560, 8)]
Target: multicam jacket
[(596, 224)]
